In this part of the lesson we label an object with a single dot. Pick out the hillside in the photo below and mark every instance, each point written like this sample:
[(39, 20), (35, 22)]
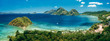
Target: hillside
[(62, 11), (73, 12), (21, 22)]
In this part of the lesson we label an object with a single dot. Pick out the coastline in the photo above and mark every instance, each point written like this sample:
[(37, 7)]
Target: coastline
[(13, 29)]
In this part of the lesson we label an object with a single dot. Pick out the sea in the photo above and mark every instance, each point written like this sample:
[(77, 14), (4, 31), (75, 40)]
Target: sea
[(46, 22)]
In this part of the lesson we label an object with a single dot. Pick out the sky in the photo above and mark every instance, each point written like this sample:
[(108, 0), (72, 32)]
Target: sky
[(40, 6)]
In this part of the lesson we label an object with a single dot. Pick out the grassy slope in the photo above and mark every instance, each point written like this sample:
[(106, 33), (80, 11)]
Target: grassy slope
[(21, 22)]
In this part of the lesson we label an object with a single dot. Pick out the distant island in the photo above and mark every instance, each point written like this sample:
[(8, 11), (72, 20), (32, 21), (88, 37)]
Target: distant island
[(62, 11), (21, 22), (95, 13)]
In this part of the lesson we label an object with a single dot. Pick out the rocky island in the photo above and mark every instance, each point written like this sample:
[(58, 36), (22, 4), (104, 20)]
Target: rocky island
[(21, 22), (62, 11)]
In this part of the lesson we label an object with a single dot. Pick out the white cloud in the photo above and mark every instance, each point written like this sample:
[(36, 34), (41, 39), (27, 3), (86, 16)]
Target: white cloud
[(81, 5), (98, 3), (55, 6), (27, 0), (108, 3), (79, 0), (82, 2), (91, 5)]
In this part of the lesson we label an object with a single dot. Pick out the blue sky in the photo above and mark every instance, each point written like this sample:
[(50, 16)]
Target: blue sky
[(29, 6)]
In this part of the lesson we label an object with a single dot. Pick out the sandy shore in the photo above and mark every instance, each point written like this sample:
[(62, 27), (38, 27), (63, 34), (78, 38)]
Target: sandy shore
[(100, 29)]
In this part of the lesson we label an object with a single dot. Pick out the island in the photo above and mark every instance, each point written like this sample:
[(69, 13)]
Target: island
[(62, 11), (21, 22)]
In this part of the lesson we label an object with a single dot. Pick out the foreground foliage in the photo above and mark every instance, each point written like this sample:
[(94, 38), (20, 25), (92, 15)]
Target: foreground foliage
[(60, 36)]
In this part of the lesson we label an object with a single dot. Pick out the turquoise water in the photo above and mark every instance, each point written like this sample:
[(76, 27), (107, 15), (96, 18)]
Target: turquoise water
[(46, 22)]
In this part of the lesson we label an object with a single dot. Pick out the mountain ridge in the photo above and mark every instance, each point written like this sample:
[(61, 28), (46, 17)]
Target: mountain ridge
[(62, 11)]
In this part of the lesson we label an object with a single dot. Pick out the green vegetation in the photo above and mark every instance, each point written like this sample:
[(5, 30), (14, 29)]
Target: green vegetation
[(60, 36), (101, 14), (21, 22), (62, 11), (97, 13), (94, 27), (73, 12)]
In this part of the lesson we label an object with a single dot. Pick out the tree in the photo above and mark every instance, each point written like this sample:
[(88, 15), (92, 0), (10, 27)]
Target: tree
[(59, 33), (17, 33)]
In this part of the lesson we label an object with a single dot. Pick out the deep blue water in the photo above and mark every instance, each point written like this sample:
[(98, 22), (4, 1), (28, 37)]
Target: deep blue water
[(46, 21), (45, 18)]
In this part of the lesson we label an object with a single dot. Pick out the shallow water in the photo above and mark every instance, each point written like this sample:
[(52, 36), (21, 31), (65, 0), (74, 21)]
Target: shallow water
[(46, 22)]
